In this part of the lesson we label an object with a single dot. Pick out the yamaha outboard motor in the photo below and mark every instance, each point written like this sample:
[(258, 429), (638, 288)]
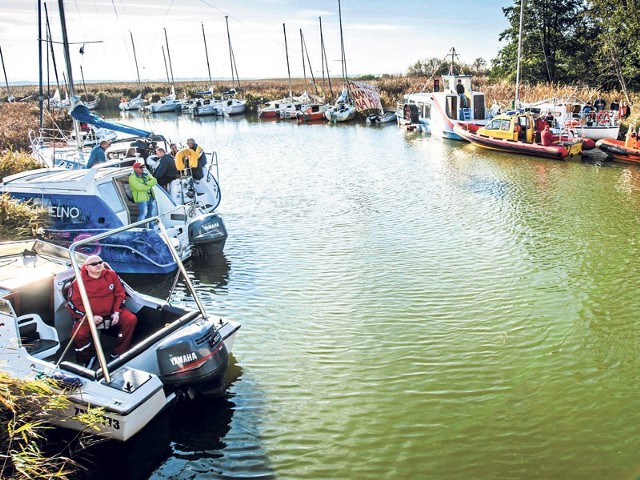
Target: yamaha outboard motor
[(208, 233), (195, 357)]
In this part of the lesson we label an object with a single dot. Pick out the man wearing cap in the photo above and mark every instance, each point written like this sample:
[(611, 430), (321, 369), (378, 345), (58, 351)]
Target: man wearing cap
[(107, 298), (142, 183)]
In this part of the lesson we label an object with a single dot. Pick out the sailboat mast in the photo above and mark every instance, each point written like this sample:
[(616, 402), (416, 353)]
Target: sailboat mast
[(325, 62), (166, 41), (286, 52), (6, 80), (344, 58), (231, 59), (135, 59), (206, 52), (67, 57), (517, 99), (304, 68), (40, 86), (50, 41), (166, 69), (305, 51)]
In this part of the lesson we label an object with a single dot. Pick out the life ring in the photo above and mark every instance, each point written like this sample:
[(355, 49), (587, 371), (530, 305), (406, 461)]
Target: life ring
[(603, 117), (90, 248), (308, 110), (186, 158)]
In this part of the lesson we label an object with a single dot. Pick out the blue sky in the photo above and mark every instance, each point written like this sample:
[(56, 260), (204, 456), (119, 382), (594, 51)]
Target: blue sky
[(380, 36)]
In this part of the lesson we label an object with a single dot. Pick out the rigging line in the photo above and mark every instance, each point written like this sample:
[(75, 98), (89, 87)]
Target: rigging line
[(279, 43)]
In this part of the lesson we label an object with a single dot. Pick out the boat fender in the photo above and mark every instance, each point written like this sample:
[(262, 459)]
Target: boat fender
[(186, 158)]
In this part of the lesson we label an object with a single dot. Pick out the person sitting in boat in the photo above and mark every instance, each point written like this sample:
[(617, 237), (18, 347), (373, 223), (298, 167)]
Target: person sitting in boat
[(141, 183), (198, 171), (106, 296), (546, 137), (460, 92), (165, 171), (540, 123), (97, 154), (631, 139)]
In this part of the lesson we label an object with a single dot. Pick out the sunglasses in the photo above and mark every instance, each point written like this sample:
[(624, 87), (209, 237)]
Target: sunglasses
[(95, 264)]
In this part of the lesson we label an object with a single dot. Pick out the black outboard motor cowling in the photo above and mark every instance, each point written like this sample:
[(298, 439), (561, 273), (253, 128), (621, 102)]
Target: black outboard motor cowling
[(194, 356)]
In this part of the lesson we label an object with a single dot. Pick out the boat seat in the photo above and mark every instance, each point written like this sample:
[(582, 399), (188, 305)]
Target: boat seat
[(40, 339)]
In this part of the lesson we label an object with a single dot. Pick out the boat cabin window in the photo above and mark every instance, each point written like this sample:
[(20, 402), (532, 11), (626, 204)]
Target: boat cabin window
[(109, 194), (506, 125), (495, 124)]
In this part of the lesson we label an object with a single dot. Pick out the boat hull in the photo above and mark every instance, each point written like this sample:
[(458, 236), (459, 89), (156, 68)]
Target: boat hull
[(617, 150), (557, 152)]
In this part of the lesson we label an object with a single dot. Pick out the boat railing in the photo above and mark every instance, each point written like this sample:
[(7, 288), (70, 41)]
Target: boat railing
[(83, 292)]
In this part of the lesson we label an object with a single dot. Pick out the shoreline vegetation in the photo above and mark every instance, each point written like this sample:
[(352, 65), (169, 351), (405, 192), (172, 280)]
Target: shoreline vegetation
[(19, 118)]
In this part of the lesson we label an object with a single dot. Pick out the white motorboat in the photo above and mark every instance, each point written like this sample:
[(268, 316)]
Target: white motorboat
[(569, 113), (177, 352), (439, 110)]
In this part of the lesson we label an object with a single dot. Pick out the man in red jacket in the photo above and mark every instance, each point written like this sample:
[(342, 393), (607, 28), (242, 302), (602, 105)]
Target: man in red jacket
[(106, 296)]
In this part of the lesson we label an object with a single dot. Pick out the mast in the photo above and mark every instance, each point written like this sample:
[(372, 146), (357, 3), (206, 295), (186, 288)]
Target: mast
[(50, 41), (304, 69), (135, 59), (325, 62), (306, 51), (286, 52), (206, 52), (166, 69), (6, 81), (235, 79), (166, 41), (67, 57), (517, 99), (40, 88), (344, 58)]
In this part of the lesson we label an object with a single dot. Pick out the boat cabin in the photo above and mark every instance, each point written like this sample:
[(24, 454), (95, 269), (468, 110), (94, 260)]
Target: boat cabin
[(516, 127)]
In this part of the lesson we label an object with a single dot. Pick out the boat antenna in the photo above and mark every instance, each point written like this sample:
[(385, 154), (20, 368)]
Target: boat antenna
[(325, 62), (517, 99), (206, 51), (286, 52)]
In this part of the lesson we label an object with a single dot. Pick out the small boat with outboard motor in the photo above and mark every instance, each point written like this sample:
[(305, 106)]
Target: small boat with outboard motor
[(177, 352), (514, 132)]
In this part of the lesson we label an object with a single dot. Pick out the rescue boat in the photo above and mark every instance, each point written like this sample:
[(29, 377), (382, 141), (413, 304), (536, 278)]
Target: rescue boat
[(514, 133)]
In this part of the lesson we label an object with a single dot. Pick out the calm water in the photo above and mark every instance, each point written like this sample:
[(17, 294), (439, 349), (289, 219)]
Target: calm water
[(413, 308)]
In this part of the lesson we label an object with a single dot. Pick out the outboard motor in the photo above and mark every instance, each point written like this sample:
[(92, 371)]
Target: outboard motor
[(208, 234), (194, 357)]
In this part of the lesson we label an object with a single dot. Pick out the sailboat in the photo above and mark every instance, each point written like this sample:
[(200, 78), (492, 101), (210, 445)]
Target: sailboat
[(169, 103), (232, 105), (204, 103), (343, 109), (288, 106), (138, 102)]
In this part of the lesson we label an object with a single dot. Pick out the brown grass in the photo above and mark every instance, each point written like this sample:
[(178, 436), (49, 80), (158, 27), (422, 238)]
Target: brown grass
[(17, 119)]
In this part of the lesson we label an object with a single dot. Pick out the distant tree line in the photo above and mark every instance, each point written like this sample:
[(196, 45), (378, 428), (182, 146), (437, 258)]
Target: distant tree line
[(583, 42)]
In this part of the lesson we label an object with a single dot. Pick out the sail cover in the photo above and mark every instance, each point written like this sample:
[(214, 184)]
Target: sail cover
[(365, 96), (82, 114)]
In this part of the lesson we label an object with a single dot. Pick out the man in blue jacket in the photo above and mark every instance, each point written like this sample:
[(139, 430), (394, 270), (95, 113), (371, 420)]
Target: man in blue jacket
[(97, 154)]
